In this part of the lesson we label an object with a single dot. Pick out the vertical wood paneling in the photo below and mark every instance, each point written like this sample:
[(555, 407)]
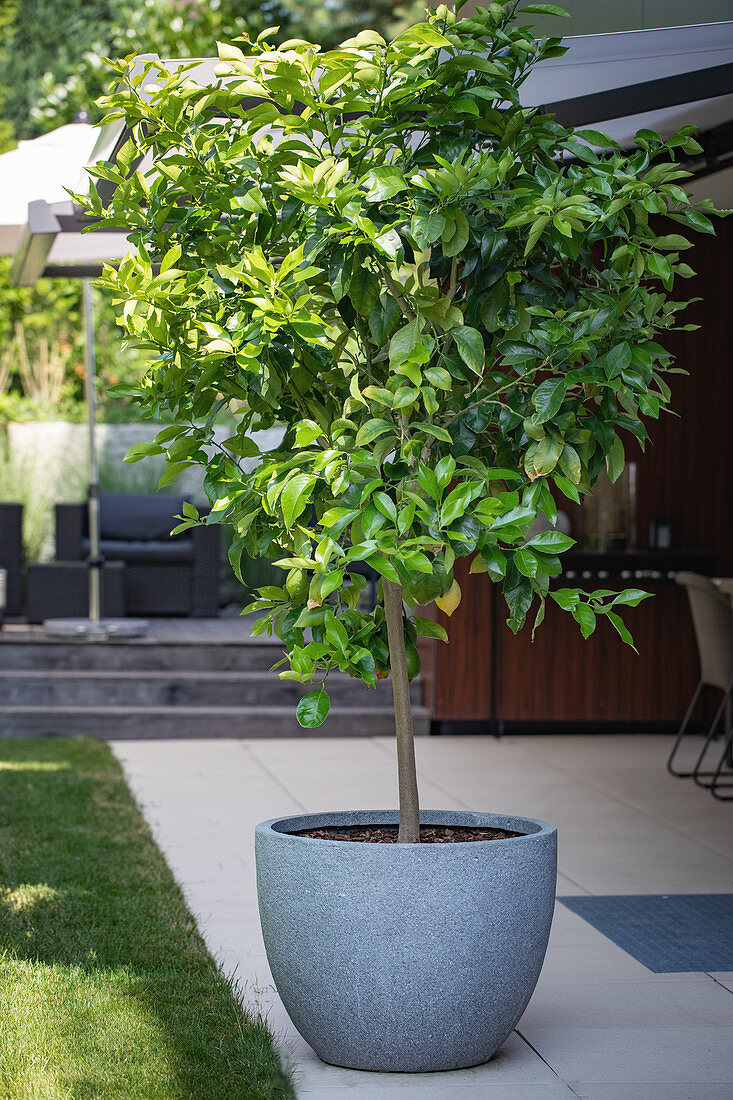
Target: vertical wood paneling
[(464, 670), (684, 473)]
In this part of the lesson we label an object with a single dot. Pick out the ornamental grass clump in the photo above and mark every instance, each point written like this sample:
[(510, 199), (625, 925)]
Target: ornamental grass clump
[(450, 302)]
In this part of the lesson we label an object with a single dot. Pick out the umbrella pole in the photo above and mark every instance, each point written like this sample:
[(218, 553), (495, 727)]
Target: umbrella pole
[(95, 627), (90, 375)]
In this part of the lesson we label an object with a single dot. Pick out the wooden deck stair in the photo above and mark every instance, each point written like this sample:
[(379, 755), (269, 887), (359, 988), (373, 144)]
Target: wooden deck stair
[(187, 678)]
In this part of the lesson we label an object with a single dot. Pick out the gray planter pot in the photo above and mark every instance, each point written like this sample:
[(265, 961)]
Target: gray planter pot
[(405, 957)]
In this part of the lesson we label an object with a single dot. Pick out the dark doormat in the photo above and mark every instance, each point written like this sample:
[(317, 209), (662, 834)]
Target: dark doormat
[(667, 933)]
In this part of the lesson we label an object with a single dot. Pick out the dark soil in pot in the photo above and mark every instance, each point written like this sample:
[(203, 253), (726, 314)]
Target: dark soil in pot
[(387, 834)]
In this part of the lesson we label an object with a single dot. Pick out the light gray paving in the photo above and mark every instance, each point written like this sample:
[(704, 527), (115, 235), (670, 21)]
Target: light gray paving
[(600, 1025)]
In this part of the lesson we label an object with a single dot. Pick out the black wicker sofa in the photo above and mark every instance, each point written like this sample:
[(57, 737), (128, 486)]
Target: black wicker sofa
[(164, 575), (11, 555)]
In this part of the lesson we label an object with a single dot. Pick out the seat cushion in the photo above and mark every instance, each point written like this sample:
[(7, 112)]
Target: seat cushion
[(138, 517), (161, 552)]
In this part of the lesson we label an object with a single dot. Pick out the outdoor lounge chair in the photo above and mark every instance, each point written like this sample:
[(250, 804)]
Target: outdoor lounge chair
[(164, 575), (11, 555), (712, 616)]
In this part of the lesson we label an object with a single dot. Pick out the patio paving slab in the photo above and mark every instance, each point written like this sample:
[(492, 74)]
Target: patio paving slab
[(600, 1026)]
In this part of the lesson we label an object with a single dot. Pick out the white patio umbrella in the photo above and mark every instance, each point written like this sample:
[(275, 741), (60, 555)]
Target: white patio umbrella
[(41, 169), (34, 210)]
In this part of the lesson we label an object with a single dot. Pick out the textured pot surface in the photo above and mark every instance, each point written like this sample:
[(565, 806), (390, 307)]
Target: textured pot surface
[(405, 957)]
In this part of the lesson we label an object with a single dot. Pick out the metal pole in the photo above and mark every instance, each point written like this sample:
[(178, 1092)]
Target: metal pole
[(90, 385)]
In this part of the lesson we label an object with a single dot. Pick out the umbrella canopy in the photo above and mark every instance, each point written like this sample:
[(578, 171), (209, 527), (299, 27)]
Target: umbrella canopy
[(41, 169), (38, 222)]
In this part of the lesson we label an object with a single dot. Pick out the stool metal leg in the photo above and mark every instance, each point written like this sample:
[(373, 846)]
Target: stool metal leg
[(680, 736), (707, 778), (726, 783)]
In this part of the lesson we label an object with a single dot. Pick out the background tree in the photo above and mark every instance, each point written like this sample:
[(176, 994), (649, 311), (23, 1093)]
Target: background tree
[(334, 21), (52, 51)]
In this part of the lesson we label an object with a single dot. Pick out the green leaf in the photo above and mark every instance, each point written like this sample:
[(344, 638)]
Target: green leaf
[(428, 482), (565, 486), (426, 628), (571, 464), (616, 360), (427, 228), (335, 519), (585, 616), (551, 542), (364, 290), (542, 457), (673, 242), (458, 239), (438, 377), (383, 320), (455, 504), (521, 514), (615, 459), (336, 633), (470, 347), (566, 598), (384, 183), (631, 596), (142, 450), (306, 432), (424, 32), (404, 341), (372, 430), (597, 137), (235, 557), (495, 562), (536, 232), (445, 470), (620, 626), (698, 221), (294, 496), (526, 563), (242, 446), (313, 708), (546, 9), (432, 429), (547, 399), (386, 506)]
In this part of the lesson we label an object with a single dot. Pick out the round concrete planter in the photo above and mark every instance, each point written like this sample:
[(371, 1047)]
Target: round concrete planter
[(405, 957)]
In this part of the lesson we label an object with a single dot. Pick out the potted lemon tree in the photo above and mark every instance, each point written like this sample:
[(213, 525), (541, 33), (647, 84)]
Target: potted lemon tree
[(451, 304)]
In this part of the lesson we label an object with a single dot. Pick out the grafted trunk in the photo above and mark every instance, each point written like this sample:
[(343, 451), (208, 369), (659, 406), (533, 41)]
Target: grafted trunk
[(409, 831)]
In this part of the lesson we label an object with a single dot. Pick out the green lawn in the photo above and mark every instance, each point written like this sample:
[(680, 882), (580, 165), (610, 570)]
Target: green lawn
[(106, 988)]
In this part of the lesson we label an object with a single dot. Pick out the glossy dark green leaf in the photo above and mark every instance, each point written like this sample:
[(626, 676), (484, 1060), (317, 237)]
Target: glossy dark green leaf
[(470, 347), (631, 597), (313, 708), (427, 628), (585, 616), (364, 290), (547, 399), (372, 430), (553, 542)]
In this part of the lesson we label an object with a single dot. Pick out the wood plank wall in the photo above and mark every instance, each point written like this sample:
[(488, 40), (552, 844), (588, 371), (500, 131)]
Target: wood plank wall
[(485, 674)]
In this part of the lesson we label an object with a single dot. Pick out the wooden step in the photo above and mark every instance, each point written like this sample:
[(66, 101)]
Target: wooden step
[(101, 688), (141, 723), (143, 654)]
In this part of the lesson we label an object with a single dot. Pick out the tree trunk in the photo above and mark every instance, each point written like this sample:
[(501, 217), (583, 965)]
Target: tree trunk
[(409, 831)]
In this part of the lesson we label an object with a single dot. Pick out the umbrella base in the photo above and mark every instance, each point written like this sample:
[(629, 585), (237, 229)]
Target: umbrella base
[(96, 629)]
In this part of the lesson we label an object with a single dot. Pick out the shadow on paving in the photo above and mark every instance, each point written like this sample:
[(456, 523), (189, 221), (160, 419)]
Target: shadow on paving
[(106, 987)]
